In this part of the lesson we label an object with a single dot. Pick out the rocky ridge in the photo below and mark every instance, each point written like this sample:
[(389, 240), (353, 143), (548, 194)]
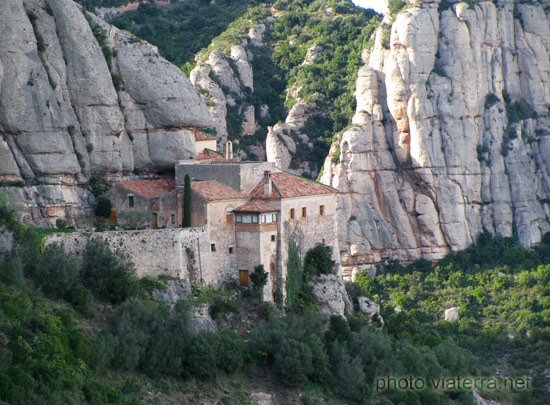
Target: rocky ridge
[(451, 135), (80, 96)]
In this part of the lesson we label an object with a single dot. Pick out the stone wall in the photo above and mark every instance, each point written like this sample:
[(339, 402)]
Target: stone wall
[(155, 251)]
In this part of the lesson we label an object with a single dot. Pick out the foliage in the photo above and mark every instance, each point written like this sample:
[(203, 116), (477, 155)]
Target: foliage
[(517, 110), (170, 27), (187, 202), (491, 100), (259, 277), (318, 260), (109, 274), (103, 207), (130, 219), (98, 184), (294, 278), (57, 272)]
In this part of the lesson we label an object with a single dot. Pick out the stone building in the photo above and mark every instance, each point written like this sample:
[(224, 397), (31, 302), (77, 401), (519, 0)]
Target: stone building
[(144, 203), (253, 210)]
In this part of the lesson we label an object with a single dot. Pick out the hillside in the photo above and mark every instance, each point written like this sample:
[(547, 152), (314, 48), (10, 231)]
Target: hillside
[(89, 331)]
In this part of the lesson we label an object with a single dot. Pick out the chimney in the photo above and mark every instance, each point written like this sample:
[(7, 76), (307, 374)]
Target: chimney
[(267, 182), (228, 150)]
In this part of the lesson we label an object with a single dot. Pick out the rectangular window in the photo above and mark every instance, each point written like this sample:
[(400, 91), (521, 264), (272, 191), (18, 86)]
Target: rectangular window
[(321, 210), (274, 217), (212, 247), (304, 212), (173, 219), (131, 201), (292, 213), (230, 250), (239, 219), (255, 219), (228, 218), (273, 238), (247, 219)]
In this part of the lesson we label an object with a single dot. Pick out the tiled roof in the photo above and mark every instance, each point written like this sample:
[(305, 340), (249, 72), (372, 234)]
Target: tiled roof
[(208, 154), (149, 188), (214, 191), (201, 136), (287, 185), (255, 206)]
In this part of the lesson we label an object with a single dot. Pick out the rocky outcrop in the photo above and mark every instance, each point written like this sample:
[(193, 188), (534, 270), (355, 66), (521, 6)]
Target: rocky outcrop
[(331, 295), (371, 309), (452, 314), (201, 319), (439, 151), (225, 79), (175, 291), (79, 96)]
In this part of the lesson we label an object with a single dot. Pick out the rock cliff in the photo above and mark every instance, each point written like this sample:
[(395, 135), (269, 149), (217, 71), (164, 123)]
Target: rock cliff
[(451, 135), (79, 96)]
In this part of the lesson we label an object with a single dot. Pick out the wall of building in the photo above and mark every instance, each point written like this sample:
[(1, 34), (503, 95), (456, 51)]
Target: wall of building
[(172, 252), (208, 144), (240, 176)]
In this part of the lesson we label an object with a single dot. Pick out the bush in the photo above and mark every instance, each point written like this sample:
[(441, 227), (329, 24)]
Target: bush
[(103, 207), (11, 272), (58, 271), (259, 277), (318, 260), (108, 274), (229, 351), (82, 300)]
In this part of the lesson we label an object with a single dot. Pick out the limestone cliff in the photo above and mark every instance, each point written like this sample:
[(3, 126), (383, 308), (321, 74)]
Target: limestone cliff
[(451, 135), (78, 96)]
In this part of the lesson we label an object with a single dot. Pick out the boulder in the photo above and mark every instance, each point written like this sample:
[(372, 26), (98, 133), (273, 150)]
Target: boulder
[(451, 314), (330, 292)]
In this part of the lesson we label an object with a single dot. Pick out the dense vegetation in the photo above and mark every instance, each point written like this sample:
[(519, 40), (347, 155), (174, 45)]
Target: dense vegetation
[(180, 30)]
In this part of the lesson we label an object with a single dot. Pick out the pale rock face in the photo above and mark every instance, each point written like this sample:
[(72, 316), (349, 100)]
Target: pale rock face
[(256, 35), (238, 54), (331, 294), (451, 314), (61, 117), (249, 125), (428, 165), (371, 309), (312, 55)]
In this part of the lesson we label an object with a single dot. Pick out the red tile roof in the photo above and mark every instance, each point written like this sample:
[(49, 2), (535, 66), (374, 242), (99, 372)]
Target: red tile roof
[(209, 154), (255, 206), (214, 191), (201, 136), (288, 185), (149, 188)]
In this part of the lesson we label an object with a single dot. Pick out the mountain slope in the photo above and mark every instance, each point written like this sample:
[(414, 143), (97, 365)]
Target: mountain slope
[(451, 133), (79, 96)]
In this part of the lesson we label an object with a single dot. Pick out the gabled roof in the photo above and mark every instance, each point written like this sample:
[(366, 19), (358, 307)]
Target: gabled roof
[(286, 185), (209, 154), (202, 136), (255, 206), (214, 191), (149, 188)]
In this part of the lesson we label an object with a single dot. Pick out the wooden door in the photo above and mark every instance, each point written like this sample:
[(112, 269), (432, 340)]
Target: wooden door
[(272, 273), (112, 218), (243, 277), (155, 220)]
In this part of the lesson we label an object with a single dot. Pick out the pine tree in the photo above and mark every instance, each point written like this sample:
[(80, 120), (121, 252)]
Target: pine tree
[(187, 202)]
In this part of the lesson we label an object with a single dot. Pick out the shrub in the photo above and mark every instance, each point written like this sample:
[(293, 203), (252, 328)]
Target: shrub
[(11, 272), (292, 363), (82, 300), (58, 271), (491, 100), (103, 207), (229, 351), (108, 274), (259, 277), (318, 260)]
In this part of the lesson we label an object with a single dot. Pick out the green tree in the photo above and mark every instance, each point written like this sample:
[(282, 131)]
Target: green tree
[(187, 202), (259, 277), (318, 260), (58, 271), (108, 274)]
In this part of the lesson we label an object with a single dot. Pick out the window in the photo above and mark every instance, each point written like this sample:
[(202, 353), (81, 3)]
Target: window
[(321, 210), (304, 212), (239, 218), (272, 268), (131, 201), (230, 250), (273, 238), (255, 219), (228, 216), (173, 219), (292, 213), (212, 247)]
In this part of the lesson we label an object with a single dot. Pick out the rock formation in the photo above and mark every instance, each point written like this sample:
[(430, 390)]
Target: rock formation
[(330, 292), (79, 96), (451, 134)]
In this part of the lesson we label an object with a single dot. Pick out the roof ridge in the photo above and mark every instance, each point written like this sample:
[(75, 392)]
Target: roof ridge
[(310, 180)]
